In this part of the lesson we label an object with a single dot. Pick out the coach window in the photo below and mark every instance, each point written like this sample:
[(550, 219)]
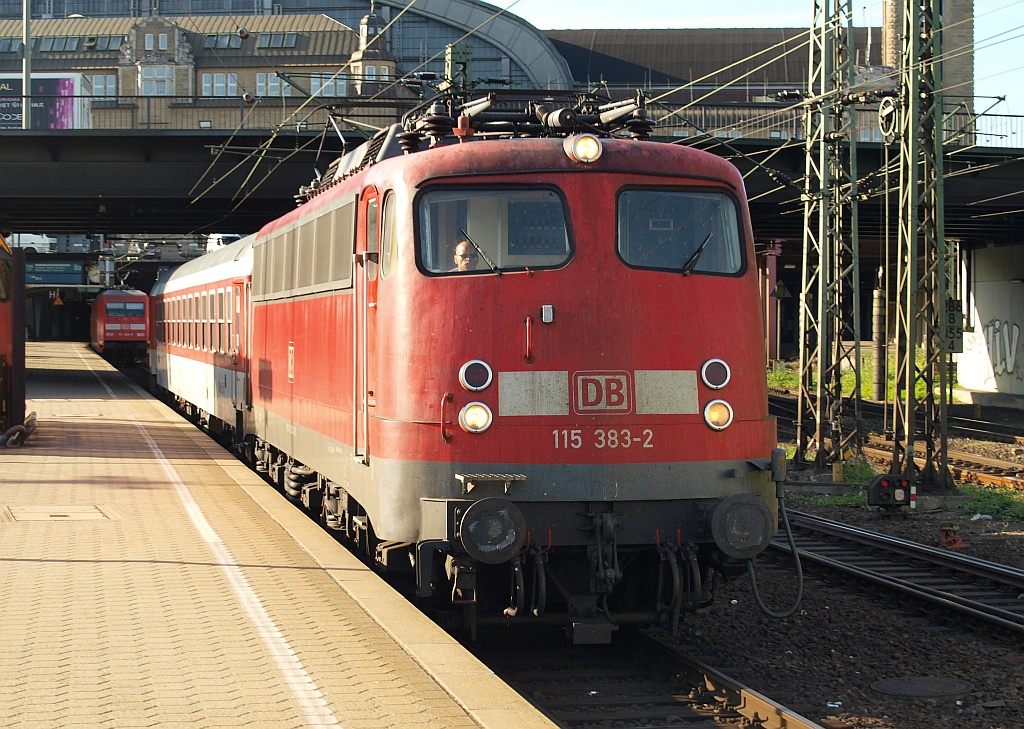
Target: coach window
[(514, 228), (372, 238), (389, 237), (204, 319), (679, 230), (259, 268), (344, 239), (305, 252), (221, 325)]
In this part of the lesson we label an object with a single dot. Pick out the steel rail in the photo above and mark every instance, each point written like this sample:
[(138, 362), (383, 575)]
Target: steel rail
[(985, 590), (754, 706)]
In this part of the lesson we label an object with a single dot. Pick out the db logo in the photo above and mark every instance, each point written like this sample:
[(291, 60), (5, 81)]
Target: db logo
[(602, 392)]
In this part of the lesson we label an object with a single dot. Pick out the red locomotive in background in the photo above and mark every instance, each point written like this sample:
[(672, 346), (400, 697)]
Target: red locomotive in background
[(525, 362), (119, 324)]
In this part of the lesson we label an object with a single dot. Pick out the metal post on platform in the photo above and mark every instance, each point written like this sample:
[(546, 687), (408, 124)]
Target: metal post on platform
[(26, 66)]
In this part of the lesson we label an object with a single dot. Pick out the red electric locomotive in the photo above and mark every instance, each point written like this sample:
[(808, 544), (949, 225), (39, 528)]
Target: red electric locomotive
[(119, 324), (525, 362)]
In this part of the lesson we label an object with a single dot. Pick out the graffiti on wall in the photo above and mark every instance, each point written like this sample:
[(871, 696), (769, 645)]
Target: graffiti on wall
[(1003, 338)]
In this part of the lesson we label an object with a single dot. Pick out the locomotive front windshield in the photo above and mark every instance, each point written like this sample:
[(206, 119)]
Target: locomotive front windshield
[(507, 229), (679, 230), (128, 308)]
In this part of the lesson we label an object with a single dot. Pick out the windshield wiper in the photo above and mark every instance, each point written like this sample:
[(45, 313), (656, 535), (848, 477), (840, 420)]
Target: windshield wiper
[(480, 252), (687, 268)]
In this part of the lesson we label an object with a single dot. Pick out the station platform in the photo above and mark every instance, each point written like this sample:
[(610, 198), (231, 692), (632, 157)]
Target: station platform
[(147, 578)]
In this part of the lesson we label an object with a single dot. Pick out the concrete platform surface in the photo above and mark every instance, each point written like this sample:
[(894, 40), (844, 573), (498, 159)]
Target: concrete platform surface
[(148, 579)]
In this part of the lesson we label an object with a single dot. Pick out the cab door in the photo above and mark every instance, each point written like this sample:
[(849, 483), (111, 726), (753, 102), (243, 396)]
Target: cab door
[(364, 324), (239, 345)]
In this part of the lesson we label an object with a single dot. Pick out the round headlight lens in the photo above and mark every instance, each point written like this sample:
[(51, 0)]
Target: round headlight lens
[(475, 417), (475, 375), (715, 373), (718, 414), (585, 148)]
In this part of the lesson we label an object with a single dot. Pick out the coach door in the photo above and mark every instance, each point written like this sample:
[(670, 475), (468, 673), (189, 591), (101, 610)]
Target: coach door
[(238, 308), (364, 308)]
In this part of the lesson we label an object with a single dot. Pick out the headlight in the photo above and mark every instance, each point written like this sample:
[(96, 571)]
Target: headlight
[(585, 148), (718, 414), (715, 374), (475, 417), (475, 375)]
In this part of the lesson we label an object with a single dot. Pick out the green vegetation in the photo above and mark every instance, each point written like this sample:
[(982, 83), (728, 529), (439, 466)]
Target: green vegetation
[(856, 497), (858, 470), (786, 375), (1001, 503)]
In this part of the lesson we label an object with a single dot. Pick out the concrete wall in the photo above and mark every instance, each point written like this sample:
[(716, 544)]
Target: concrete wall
[(993, 360)]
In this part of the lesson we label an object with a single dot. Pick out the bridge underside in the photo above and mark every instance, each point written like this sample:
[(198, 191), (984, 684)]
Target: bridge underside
[(136, 183), (196, 182)]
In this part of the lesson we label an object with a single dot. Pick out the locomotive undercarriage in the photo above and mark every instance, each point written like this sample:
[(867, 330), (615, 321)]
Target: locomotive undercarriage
[(606, 573), (589, 588)]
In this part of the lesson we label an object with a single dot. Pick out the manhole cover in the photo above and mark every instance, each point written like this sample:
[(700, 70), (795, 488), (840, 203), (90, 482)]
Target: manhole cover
[(86, 512), (924, 687)]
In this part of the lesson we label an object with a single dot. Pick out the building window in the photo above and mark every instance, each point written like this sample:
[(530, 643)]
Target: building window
[(163, 41), (277, 40), (370, 73), (224, 40), (149, 41), (156, 81), (104, 86), (108, 42), (46, 45), (269, 84), (327, 85), (220, 84)]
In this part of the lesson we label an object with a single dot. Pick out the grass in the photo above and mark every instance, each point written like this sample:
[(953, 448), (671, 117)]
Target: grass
[(857, 497), (786, 375), (1002, 504)]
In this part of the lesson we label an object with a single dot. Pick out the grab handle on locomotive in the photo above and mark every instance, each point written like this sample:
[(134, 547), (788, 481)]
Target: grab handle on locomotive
[(445, 399), (529, 339)]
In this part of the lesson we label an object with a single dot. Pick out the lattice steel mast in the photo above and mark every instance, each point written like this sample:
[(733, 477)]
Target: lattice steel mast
[(828, 419), (919, 408)]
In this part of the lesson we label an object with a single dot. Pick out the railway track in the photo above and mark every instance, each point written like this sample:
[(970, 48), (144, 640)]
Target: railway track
[(966, 467), (784, 405), (985, 590), (638, 682)]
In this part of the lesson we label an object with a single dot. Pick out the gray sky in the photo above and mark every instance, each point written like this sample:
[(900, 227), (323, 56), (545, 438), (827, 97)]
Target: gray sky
[(998, 29)]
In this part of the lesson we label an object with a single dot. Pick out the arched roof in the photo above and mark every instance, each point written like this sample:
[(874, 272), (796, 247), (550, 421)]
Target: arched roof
[(513, 36)]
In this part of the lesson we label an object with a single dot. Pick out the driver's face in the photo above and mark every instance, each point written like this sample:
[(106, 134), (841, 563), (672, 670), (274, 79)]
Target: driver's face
[(465, 257)]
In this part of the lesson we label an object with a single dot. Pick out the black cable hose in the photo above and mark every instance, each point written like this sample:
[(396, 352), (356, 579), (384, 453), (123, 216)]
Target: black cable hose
[(799, 570)]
